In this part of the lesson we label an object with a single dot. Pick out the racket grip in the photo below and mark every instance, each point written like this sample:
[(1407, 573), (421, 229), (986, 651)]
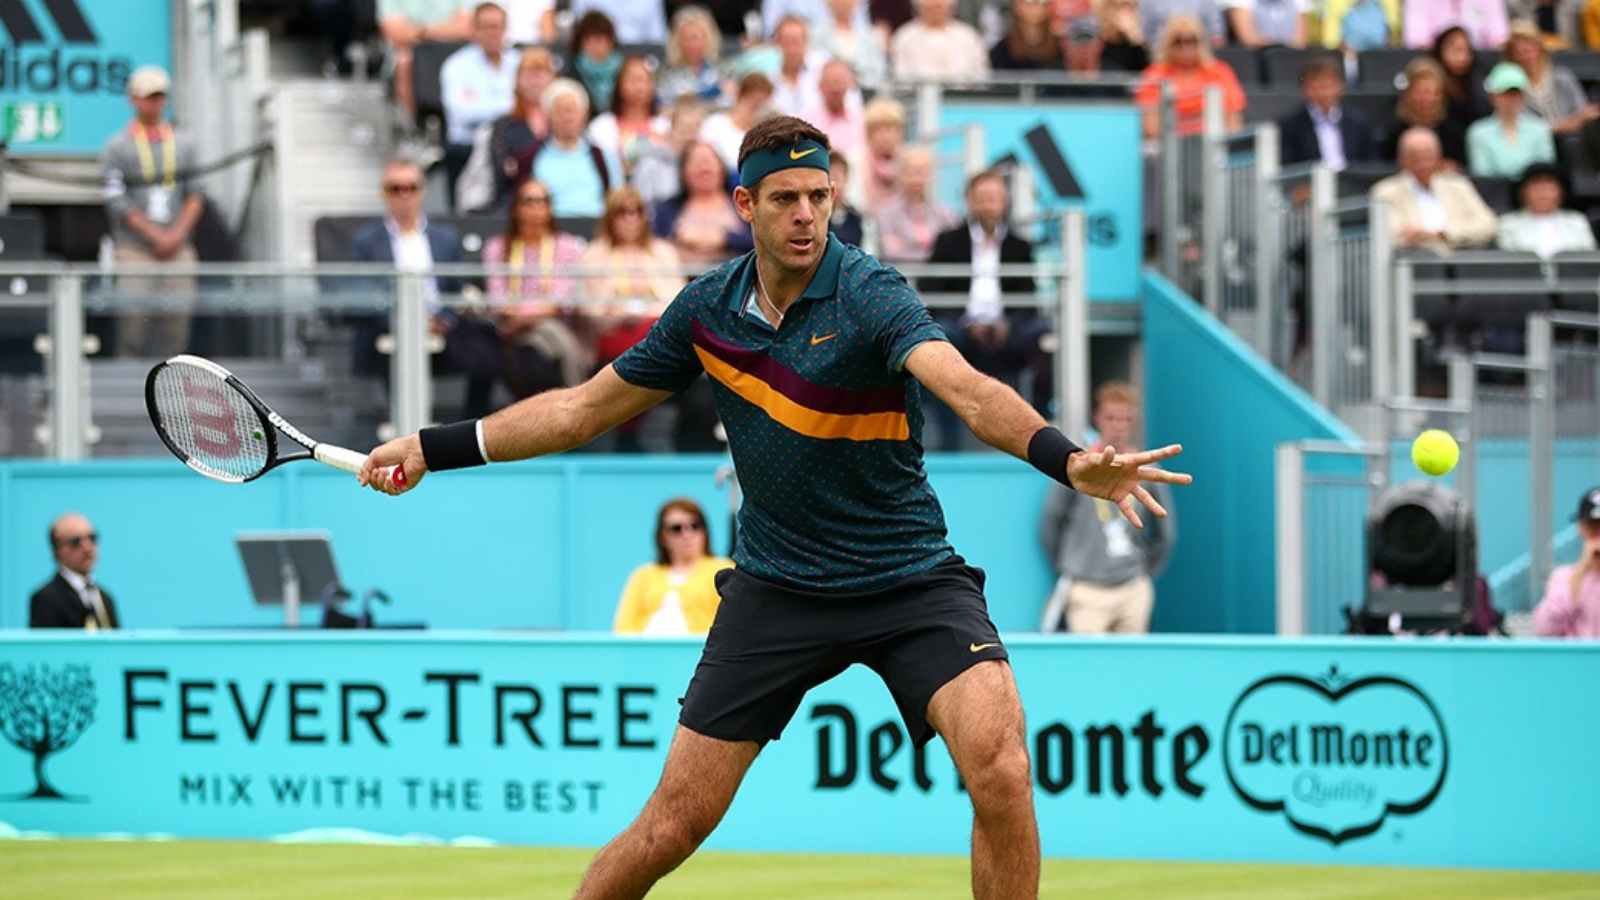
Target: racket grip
[(340, 458)]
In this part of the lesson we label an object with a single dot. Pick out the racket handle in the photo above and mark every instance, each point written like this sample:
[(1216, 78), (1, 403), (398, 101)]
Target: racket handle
[(340, 458)]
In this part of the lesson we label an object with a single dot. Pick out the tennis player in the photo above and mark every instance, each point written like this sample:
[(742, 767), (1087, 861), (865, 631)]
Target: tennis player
[(815, 350)]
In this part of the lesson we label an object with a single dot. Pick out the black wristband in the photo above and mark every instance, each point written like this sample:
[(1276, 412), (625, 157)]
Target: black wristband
[(453, 446), (1048, 450)]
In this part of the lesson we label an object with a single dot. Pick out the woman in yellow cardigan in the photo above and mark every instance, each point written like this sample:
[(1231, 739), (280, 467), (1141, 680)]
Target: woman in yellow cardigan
[(677, 593)]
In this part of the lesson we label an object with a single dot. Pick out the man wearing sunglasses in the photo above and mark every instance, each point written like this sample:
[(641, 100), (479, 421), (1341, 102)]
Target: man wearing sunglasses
[(72, 599)]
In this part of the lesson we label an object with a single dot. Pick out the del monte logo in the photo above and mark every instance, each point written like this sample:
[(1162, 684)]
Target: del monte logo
[(1335, 756), (43, 711)]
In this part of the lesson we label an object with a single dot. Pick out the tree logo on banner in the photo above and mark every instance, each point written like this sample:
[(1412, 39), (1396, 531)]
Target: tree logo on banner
[(44, 710), (1335, 755)]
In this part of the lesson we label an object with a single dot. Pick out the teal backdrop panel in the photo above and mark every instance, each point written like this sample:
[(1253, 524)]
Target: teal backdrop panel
[(1207, 390), (1099, 143), (64, 70), (1374, 752), (545, 544)]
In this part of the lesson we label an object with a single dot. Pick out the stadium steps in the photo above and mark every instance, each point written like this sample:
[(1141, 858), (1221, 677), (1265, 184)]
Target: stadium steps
[(329, 139)]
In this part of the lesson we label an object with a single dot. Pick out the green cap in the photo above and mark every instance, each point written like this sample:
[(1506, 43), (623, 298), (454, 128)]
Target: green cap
[(1506, 76)]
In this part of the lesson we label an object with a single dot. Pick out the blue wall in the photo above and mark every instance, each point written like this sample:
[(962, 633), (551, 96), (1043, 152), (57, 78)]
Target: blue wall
[(1205, 389), (541, 544)]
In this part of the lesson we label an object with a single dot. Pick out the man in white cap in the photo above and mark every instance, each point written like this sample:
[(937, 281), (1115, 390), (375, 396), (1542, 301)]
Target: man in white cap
[(153, 210)]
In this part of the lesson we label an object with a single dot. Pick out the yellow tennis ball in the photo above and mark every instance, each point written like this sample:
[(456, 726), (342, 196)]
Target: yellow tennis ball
[(1435, 452)]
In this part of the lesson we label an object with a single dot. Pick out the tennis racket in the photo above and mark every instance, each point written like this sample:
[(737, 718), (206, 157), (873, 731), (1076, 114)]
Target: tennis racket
[(218, 427)]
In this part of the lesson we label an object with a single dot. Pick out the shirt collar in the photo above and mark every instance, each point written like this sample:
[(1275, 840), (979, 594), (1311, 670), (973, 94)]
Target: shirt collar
[(78, 582), (395, 233), (976, 230), (824, 281), (1318, 116)]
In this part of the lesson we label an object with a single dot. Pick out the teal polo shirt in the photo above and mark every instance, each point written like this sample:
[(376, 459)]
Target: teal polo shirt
[(824, 424)]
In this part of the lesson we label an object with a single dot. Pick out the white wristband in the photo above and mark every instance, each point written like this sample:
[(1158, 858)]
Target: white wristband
[(483, 448)]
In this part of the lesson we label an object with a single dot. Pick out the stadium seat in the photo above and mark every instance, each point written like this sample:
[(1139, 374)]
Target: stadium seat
[(1583, 63), (1377, 107), (21, 241), (1427, 266), (1496, 192), (1381, 69), (427, 60), (1357, 179), (1577, 268), (1282, 65), (1270, 106), (656, 53), (1245, 63)]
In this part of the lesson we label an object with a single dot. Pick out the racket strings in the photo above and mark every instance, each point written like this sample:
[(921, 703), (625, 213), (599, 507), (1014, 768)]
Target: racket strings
[(210, 422)]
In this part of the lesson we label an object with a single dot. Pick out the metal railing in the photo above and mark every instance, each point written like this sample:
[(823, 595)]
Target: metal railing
[(299, 320)]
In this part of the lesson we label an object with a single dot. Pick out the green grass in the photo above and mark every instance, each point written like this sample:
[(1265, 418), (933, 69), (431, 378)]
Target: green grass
[(203, 869)]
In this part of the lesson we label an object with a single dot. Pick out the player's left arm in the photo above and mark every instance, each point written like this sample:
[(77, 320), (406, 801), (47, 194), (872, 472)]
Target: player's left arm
[(1006, 422)]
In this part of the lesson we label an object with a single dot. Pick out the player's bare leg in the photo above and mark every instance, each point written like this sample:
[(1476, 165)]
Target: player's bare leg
[(980, 717), (698, 782)]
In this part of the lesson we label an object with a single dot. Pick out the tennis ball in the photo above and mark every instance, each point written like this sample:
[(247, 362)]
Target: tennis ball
[(1435, 452)]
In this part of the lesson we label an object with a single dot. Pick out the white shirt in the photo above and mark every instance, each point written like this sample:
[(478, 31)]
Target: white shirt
[(955, 51), (983, 302), (475, 91), (1329, 140), (522, 20), (668, 618), (90, 597), (725, 137), (412, 253), (1433, 218), (792, 97)]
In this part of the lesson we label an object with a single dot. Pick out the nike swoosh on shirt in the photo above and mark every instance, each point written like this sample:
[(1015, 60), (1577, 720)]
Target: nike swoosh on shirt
[(827, 337), (802, 154)]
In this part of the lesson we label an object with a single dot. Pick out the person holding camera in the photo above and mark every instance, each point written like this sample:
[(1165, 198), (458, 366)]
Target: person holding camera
[(1571, 604)]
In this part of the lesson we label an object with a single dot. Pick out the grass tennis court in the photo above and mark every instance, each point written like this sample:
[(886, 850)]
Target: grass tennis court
[(75, 869)]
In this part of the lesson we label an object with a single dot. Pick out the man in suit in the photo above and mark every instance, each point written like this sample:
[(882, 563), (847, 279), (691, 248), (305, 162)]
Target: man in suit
[(996, 341), (1429, 207), (406, 239), (72, 599), (1324, 130)]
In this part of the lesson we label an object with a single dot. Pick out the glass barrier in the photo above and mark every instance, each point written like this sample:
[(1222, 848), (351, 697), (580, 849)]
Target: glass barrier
[(24, 386)]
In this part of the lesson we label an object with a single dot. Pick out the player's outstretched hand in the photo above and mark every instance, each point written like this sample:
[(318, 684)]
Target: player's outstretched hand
[(1119, 477), (405, 456)]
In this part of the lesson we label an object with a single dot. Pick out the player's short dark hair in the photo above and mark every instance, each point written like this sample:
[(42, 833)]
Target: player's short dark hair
[(1319, 67), (779, 131)]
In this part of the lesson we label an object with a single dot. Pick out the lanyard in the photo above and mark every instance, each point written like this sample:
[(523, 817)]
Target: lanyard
[(147, 159), (547, 262)]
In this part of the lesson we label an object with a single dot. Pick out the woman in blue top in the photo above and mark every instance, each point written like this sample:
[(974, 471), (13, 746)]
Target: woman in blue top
[(1512, 139)]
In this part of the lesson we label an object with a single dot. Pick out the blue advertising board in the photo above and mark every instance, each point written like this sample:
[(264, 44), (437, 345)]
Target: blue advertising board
[(1425, 753), (1099, 149), (64, 69)]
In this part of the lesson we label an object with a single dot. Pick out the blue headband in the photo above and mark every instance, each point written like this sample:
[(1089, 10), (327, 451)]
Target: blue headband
[(804, 154)]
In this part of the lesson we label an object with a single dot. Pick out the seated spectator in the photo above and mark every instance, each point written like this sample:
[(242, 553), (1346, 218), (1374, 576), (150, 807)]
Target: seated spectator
[(533, 305), (1104, 565), (886, 134), (628, 131), (1554, 94), (1358, 25), (1504, 144), (1485, 21), (1081, 49), (692, 53), (1184, 60), (1423, 104), (580, 173), (701, 222), (845, 223), (153, 205), (593, 59), (641, 278), (1155, 15), (846, 35), (936, 45), (725, 131), (799, 67), (656, 173), (632, 22), (909, 221), (1452, 50), (1029, 44), (511, 137), (72, 599), (1121, 37), (1267, 23), (1570, 607), (677, 594), (1323, 130), (407, 240), (1428, 206), (837, 112), (477, 85), (997, 341), (406, 23), (1541, 226), (530, 22)]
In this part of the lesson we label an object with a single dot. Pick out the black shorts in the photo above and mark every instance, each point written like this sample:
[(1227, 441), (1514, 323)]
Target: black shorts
[(770, 644)]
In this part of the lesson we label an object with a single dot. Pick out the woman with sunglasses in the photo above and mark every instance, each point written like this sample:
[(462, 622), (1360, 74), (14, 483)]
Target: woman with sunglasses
[(1184, 60), (641, 274), (533, 306), (676, 594)]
